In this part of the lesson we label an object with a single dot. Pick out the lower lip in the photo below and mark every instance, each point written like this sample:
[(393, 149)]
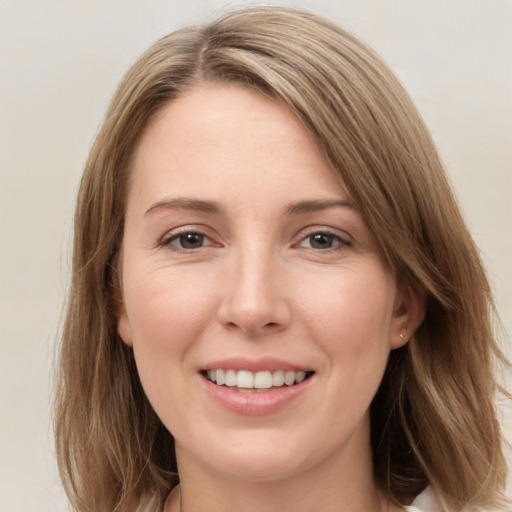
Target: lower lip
[(255, 403)]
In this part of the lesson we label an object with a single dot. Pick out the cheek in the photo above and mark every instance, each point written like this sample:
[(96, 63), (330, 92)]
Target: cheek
[(167, 315), (352, 327), (356, 307), (165, 311), (351, 320)]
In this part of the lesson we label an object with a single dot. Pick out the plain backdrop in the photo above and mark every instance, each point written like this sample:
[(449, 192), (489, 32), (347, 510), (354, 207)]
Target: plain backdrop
[(60, 62)]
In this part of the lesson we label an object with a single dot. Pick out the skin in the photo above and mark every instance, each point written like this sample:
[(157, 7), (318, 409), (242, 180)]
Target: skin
[(256, 284)]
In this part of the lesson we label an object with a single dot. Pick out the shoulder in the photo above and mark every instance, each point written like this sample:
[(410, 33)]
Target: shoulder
[(427, 501)]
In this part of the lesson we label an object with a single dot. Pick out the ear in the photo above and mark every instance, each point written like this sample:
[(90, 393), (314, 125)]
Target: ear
[(408, 313), (123, 325)]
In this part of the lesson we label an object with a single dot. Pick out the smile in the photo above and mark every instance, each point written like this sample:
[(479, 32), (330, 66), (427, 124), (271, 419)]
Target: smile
[(255, 382)]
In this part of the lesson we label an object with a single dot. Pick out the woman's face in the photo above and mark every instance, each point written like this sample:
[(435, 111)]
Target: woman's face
[(244, 263)]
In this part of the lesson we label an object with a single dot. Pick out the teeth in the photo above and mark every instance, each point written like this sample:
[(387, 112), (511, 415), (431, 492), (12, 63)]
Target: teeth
[(278, 378), (289, 378), (220, 377), (263, 380), (245, 380), (230, 379)]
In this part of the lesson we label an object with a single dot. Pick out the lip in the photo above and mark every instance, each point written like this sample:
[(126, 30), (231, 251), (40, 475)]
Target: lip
[(256, 403), (253, 365)]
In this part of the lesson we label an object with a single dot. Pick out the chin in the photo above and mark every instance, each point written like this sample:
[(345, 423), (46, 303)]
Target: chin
[(260, 456), (266, 468)]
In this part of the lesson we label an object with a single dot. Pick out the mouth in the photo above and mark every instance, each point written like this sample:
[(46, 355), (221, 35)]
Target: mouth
[(246, 381)]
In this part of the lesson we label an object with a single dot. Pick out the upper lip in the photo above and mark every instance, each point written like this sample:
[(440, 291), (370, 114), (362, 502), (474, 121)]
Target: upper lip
[(254, 365)]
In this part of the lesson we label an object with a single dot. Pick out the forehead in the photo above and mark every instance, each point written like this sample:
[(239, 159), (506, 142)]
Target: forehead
[(216, 136)]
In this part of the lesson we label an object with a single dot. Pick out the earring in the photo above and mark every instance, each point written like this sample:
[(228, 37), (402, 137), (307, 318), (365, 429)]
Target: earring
[(402, 336)]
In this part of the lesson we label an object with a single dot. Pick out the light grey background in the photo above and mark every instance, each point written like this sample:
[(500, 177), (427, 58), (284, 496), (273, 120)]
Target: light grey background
[(60, 61)]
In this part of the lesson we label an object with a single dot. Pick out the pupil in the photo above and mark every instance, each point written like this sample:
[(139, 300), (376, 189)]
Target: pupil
[(321, 241), (191, 240)]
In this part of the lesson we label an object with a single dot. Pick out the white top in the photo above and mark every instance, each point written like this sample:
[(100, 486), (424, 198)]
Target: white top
[(427, 501)]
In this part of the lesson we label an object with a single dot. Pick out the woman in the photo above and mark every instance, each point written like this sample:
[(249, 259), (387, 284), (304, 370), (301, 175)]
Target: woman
[(275, 302)]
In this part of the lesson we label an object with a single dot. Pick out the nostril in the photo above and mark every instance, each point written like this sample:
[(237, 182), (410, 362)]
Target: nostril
[(252, 326)]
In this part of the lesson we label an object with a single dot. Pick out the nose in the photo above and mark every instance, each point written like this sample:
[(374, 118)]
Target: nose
[(255, 298)]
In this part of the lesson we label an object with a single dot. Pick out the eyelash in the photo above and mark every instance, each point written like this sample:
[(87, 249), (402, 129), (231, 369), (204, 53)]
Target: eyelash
[(338, 242), (168, 240)]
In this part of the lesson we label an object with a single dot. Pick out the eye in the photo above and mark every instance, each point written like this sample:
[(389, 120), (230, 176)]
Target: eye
[(188, 240), (323, 240)]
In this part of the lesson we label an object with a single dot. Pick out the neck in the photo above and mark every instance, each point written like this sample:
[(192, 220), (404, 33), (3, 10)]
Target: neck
[(262, 498), (337, 484)]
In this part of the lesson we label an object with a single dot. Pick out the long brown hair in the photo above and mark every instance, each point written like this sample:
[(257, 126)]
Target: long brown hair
[(433, 419)]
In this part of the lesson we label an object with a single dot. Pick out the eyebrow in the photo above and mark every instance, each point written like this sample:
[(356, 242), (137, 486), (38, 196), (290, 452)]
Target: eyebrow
[(300, 207), (188, 204), (212, 207)]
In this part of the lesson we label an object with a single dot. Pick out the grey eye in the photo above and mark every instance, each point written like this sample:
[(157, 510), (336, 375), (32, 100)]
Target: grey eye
[(322, 240), (189, 240)]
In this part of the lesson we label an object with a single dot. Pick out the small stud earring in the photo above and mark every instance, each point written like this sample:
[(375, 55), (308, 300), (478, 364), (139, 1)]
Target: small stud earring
[(402, 337)]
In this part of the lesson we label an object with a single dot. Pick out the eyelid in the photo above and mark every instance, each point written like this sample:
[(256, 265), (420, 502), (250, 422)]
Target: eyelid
[(343, 237), (173, 234)]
